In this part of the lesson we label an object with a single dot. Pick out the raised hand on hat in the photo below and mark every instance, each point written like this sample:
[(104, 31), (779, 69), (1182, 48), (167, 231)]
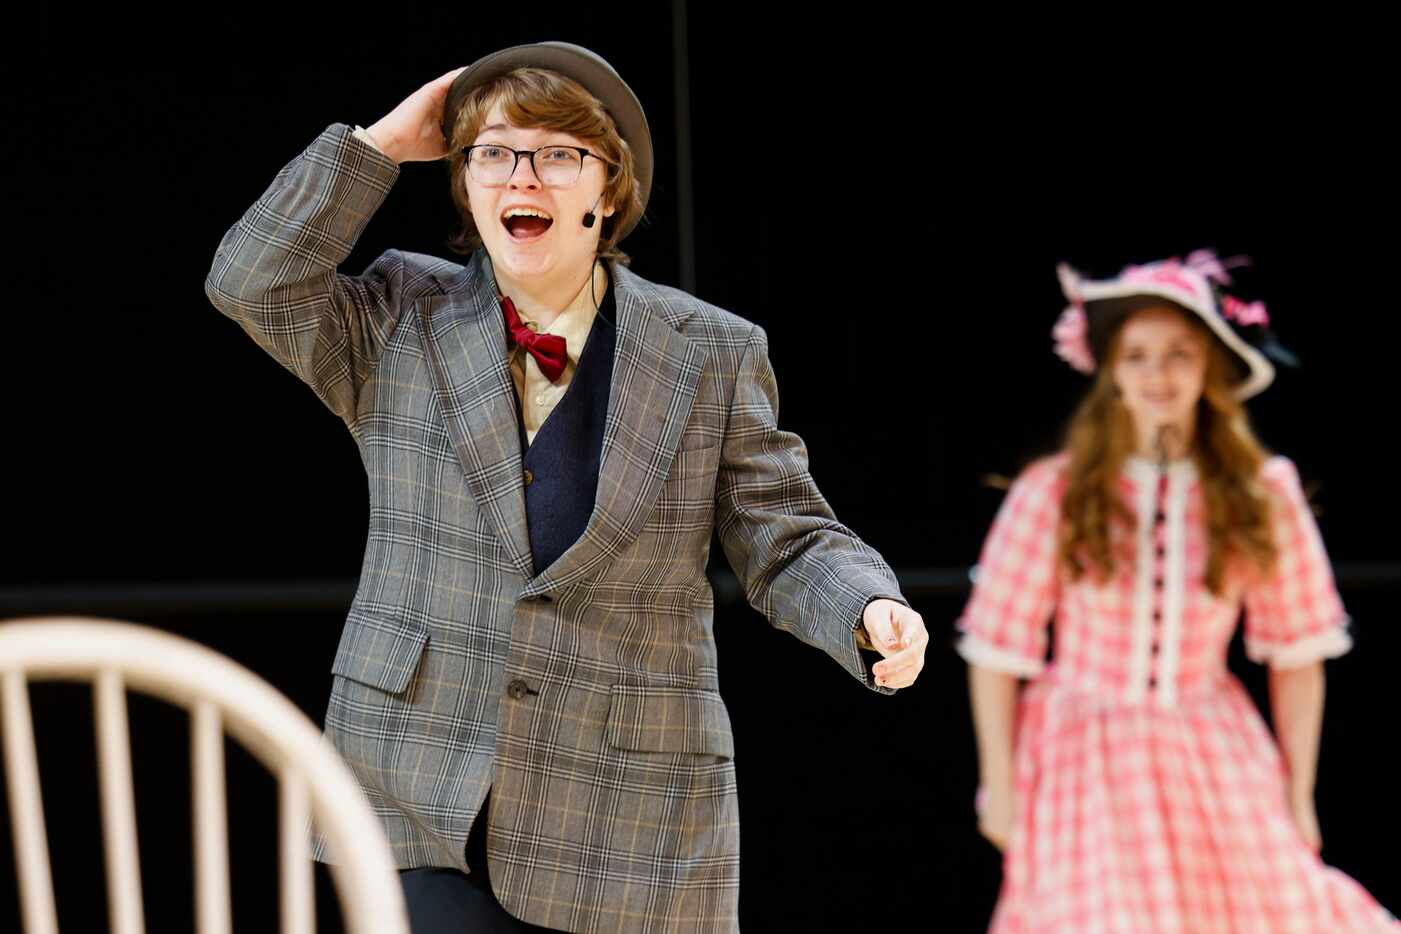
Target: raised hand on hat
[(412, 131), (897, 633)]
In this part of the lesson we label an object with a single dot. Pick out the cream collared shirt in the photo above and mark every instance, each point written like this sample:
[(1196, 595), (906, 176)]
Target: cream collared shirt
[(538, 396)]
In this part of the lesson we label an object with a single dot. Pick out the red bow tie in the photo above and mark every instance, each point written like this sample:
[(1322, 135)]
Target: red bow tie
[(549, 350)]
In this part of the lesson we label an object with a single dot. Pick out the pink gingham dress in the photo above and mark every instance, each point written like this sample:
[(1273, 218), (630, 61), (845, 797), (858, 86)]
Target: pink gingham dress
[(1150, 795)]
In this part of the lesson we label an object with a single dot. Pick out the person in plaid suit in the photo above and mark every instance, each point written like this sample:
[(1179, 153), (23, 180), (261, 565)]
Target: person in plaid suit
[(526, 685), (1132, 785)]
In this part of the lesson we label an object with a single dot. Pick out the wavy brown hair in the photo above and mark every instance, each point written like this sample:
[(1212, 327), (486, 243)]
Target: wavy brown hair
[(1097, 526), (537, 98)]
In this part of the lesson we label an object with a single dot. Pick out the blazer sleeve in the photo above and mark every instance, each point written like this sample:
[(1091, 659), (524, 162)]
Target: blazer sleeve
[(275, 271), (802, 569)]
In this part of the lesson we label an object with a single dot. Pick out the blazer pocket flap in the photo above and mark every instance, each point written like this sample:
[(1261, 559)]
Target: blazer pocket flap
[(380, 652), (666, 719)]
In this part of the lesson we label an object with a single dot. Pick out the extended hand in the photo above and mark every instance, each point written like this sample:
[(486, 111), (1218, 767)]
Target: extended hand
[(897, 633), (413, 132)]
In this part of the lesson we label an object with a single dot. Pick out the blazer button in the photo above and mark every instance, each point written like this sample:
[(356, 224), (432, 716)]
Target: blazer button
[(529, 478), (517, 689)]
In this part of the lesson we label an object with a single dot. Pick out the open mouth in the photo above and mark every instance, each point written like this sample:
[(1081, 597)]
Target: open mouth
[(524, 224)]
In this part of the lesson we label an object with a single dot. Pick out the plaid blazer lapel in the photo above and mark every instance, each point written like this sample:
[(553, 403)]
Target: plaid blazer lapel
[(465, 342), (655, 375)]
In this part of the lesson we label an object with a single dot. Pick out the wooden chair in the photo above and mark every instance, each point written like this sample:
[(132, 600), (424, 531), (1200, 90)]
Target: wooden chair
[(221, 697)]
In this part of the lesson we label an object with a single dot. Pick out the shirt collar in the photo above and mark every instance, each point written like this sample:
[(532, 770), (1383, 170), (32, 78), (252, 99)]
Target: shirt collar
[(1147, 469), (575, 321)]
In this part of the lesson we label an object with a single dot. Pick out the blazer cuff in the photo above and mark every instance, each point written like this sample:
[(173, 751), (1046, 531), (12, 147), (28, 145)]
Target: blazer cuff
[(848, 595), (364, 136), (378, 170)]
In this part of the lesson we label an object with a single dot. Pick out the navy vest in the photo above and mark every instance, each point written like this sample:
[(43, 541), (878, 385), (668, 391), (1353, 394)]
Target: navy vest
[(562, 463)]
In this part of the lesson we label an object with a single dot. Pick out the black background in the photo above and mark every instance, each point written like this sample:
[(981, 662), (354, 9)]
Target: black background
[(888, 196)]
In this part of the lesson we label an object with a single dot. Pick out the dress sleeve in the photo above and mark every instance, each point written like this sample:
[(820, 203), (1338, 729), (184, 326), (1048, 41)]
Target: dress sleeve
[(1294, 616), (1015, 587)]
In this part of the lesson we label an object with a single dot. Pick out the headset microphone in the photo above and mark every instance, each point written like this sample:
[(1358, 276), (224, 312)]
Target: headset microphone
[(590, 217)]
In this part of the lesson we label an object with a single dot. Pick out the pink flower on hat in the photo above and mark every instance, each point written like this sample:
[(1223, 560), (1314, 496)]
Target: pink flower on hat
[(1071, 335), (1244, 313), (1169, 273), (1208, 264)]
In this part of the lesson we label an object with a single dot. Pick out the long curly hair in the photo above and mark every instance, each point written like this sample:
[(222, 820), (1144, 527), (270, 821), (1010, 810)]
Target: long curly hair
[(1097, 527)]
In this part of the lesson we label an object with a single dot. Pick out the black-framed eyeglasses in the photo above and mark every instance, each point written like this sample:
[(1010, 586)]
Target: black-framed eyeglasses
[(554, 166)]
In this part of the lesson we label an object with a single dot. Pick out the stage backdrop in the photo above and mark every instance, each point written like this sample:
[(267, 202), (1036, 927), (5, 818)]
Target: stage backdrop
[(888, 201)]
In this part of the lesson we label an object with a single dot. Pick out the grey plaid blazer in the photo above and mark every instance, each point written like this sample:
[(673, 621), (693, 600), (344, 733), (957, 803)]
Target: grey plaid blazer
[(583, 694)]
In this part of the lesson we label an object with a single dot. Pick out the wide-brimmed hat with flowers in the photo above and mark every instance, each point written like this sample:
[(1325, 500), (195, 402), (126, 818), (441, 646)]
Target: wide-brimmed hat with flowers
[(1098, 306)]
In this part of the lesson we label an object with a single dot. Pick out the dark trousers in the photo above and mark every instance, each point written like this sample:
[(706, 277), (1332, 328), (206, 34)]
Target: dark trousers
[(445, 901)]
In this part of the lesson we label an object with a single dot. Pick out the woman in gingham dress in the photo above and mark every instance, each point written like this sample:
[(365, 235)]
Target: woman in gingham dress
[(1132, 785)]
